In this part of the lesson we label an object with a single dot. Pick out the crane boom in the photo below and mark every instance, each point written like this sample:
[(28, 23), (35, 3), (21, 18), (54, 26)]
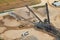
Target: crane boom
[(33, 13), (47, 13)]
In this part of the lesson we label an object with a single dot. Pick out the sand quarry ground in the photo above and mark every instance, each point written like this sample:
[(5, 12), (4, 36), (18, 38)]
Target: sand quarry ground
[(10, 29), (10, 4)]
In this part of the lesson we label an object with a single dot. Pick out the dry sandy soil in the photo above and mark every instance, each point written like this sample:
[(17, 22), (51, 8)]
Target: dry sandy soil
[(15, 31), (10, 4), (12, 31)]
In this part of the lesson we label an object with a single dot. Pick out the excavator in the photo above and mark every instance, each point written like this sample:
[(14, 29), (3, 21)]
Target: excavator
[(45, 25)]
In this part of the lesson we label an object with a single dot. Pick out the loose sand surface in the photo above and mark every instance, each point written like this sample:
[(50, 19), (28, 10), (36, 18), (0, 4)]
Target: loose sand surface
[(10, 30)]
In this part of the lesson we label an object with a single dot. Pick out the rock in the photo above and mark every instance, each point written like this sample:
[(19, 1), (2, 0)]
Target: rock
[(2, 29)]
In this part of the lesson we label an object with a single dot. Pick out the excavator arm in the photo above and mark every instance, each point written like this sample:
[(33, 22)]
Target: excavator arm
[(33, 13)]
